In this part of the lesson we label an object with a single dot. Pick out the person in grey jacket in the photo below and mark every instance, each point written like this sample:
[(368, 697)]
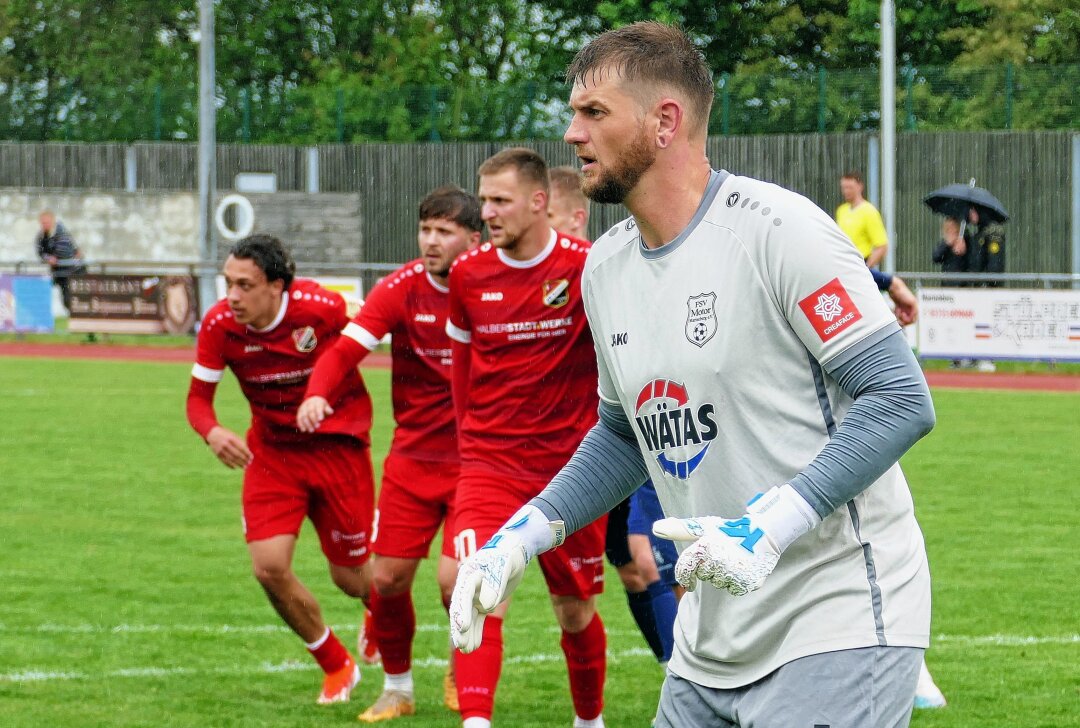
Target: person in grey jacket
[(56, 247)]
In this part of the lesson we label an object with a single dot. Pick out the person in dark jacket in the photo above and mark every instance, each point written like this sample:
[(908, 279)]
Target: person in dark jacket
[(952, 251), (56, 247), (986, 246)]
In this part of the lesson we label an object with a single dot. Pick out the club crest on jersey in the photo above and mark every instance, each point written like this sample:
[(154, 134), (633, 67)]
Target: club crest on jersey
[(556, 293), (305, 340), (677, 433), (701, 321)]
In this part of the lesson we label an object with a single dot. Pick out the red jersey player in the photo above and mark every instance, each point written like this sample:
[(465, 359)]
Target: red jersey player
[(270, 329), (421, 471), (525, 390)]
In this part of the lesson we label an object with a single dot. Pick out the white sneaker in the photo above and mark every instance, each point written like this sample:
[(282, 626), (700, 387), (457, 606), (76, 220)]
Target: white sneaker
[(985, 365), (927, 694)]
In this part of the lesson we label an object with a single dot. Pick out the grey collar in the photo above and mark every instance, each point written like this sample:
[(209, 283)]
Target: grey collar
[(716, 180)]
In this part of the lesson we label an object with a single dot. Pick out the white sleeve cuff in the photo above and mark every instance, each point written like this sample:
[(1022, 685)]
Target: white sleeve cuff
[(206, 374), (360, 335), (536, 532), (784, 515), (459, 335)]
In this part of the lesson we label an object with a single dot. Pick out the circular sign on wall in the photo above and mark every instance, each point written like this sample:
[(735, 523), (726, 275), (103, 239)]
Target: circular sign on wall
[(245, 217)]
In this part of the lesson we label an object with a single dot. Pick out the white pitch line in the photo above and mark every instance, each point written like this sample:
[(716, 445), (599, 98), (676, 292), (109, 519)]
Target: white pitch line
[(31, 676), (1007, 640)]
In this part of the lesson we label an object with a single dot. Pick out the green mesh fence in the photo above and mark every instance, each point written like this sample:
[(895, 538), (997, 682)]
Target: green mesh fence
[(928, 99)]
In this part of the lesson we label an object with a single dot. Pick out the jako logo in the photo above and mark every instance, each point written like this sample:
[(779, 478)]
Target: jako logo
[(677, 433), (491, 296), (425, 318)]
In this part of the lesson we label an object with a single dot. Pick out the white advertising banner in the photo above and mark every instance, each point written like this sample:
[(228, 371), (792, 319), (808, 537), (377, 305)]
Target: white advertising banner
[(999, 323)]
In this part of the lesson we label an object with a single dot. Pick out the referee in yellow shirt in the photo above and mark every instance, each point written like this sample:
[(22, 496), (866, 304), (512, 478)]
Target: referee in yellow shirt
[(861, 221)]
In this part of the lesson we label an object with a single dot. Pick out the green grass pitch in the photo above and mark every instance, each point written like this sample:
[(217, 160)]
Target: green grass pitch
[(127, 600)]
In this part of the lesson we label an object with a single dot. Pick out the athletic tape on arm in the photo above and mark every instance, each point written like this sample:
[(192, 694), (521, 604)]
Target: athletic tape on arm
[(604, 470), (892, 410)]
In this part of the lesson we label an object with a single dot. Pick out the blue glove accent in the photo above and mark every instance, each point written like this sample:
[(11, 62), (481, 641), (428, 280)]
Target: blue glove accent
[(741, 529)]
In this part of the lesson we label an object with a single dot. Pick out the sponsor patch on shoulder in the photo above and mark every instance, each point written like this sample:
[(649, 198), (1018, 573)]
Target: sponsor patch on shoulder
[(830, 309)]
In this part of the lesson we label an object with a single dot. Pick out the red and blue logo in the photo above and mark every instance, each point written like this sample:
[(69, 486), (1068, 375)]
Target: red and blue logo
[(677, 433)]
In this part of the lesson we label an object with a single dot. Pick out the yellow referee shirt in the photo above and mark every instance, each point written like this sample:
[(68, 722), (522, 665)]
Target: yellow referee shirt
[(863, 224)]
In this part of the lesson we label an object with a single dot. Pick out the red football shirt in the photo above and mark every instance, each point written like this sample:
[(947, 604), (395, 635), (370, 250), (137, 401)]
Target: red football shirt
[(532, 371), (410, 306), (273, 364)]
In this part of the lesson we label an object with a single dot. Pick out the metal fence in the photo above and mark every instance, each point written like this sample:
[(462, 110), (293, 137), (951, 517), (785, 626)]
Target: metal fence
[(1031, 172)]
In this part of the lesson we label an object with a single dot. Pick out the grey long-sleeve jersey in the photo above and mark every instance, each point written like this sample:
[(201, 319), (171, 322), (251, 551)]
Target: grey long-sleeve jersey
[(892, 409)]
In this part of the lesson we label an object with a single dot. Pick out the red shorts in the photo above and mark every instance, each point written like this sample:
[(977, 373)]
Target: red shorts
[(486, 502), (416, 497), (329, 480)]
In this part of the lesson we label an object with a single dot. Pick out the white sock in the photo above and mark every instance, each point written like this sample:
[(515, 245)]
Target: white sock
[(476, 722), (319, 642), (402, 683), (597, 722)]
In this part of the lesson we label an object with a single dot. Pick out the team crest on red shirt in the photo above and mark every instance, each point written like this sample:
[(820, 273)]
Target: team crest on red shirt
[(556, 293), (305, 339)]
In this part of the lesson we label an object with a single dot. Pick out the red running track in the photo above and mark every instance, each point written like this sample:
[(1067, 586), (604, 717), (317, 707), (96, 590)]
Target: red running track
[(381, 360)]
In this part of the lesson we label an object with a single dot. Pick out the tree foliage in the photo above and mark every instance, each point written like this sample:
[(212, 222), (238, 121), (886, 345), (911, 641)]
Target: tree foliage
[(473, 69)]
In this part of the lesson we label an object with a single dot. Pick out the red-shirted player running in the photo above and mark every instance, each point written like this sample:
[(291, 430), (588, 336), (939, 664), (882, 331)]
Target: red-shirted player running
[(421, 471), (525, 391), (270, 329)]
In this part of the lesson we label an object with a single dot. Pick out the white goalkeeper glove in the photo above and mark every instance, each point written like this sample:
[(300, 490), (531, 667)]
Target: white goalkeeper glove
[(486, 579), (737, 555)]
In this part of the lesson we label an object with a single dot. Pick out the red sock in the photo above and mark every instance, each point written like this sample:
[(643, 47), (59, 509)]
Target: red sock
[(586, 661), (394, 622), (477, 673), (330, 654)]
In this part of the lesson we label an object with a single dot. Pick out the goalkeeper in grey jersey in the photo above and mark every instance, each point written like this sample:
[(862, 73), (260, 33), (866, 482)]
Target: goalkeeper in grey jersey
[(749, 366)]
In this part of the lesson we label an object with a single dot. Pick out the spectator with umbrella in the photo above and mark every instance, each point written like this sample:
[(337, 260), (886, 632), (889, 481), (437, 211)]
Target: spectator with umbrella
[(973, 236), (982, 247)]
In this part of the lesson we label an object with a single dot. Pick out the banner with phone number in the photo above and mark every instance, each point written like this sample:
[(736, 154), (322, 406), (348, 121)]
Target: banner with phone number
[(999, 323)]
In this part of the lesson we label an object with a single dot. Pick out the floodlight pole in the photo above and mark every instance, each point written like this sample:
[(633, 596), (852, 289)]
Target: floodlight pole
[(888, 129), (207, 149)]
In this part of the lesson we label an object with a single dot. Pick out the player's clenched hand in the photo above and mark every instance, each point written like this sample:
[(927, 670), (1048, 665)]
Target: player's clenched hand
[(229, 447), (488, 577), (905, 302), (312, 412), (738, 554)]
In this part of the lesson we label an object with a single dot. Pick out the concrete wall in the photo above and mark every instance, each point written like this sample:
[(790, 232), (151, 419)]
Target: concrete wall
[(163, 226), (106, 225)]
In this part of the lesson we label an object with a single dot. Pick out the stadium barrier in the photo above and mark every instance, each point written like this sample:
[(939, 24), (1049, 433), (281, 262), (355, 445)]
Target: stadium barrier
[(980, 321), (143, 297), (1024, 316)]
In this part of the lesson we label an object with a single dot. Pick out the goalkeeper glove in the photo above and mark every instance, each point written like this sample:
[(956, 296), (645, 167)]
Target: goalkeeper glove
[(486, 579), (737, 555)]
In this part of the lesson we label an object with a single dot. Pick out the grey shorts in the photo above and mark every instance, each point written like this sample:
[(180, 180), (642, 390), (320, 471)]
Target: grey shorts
[(872, 687)]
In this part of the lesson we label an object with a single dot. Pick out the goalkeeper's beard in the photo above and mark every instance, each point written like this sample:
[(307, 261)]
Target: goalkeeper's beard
[(611, 186)]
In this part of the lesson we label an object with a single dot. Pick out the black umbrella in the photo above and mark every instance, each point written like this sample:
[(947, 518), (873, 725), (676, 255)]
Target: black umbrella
[(955, 199)]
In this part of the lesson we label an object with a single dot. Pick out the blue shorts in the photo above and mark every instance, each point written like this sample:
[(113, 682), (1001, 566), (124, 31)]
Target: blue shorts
[(644, 511)]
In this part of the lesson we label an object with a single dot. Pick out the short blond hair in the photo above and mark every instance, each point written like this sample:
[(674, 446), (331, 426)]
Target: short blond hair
[(567, 182), (528, 164)]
